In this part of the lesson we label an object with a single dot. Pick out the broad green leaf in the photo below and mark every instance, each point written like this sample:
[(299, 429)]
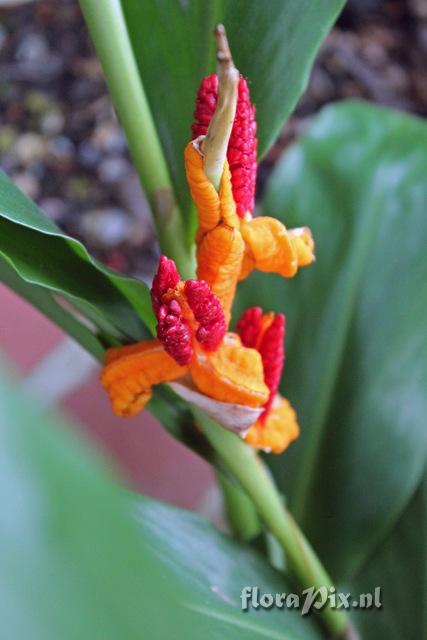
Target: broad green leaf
[(44, 256), (38, 261), (399, 567), (356, 364), (80, 558), (273, 45)]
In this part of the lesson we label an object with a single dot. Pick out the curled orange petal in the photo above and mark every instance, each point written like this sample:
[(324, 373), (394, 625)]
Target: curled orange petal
[(212, 207), (220, 245), (277, 431), (267, 247), (303, 243), (233, 373), (219, 259), (130, 372)]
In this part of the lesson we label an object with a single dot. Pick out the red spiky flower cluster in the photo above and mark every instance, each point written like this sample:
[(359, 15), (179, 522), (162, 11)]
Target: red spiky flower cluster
[(266, 333), (208, 312), (242, 147), (183, 311)]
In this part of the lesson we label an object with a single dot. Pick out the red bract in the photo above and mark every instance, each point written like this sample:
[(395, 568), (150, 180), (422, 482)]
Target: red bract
[(269, 341), (208, 312), (242, 147), (167, 277), (177, 323), (272, 352), (249, 326), (174, 332)]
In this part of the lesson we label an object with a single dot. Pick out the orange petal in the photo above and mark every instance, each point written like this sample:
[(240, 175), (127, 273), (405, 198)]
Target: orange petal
[(212, 208), (130, 372), (277, 431), (233, 373), (267, 247), (219, 259), (303, 243)]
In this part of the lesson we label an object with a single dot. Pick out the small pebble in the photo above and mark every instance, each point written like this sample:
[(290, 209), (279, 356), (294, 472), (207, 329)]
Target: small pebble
[(27, 183), (8, 136), (109, 138), (29, 147), (8, 163), (78, 188), (33, 48), (37, 102), (52, 122), (113, 169), (36, 169), (61, 149), (106, 227), (89, 154), (55, 208)]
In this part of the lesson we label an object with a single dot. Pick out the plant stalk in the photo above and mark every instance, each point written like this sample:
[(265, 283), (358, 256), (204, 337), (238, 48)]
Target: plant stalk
[(241, 514), (107, 26), (247, 468)]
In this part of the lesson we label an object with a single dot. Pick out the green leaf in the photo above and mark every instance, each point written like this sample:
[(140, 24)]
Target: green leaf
[(399, 568), (38, 261), (83, 559), (356, 364), (273, 45), (44, 256)]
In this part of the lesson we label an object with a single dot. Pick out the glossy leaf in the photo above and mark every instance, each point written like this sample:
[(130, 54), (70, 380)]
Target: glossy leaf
[(80, 558), (399, 568), (42, 255), (356, 367), (273, 45), (39, 262)]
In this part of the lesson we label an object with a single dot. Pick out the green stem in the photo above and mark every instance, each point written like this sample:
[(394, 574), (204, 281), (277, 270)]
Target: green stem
[(107, 27), (241, 513), (249, 471)]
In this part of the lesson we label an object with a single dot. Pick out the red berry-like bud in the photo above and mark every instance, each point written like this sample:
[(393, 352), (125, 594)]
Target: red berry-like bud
[(208, 312), (173, 329), (167, 277), (174, 333), (242, 147)]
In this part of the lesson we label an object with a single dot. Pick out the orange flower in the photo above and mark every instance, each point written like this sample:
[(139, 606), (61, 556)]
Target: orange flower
[(192, 344), (192, 341), (229, 247)]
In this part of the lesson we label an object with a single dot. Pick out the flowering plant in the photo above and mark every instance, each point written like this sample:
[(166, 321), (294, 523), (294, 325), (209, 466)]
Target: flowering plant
[(203, 349)]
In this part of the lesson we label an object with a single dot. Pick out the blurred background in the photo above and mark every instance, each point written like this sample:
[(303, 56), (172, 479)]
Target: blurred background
[(62, 145)]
